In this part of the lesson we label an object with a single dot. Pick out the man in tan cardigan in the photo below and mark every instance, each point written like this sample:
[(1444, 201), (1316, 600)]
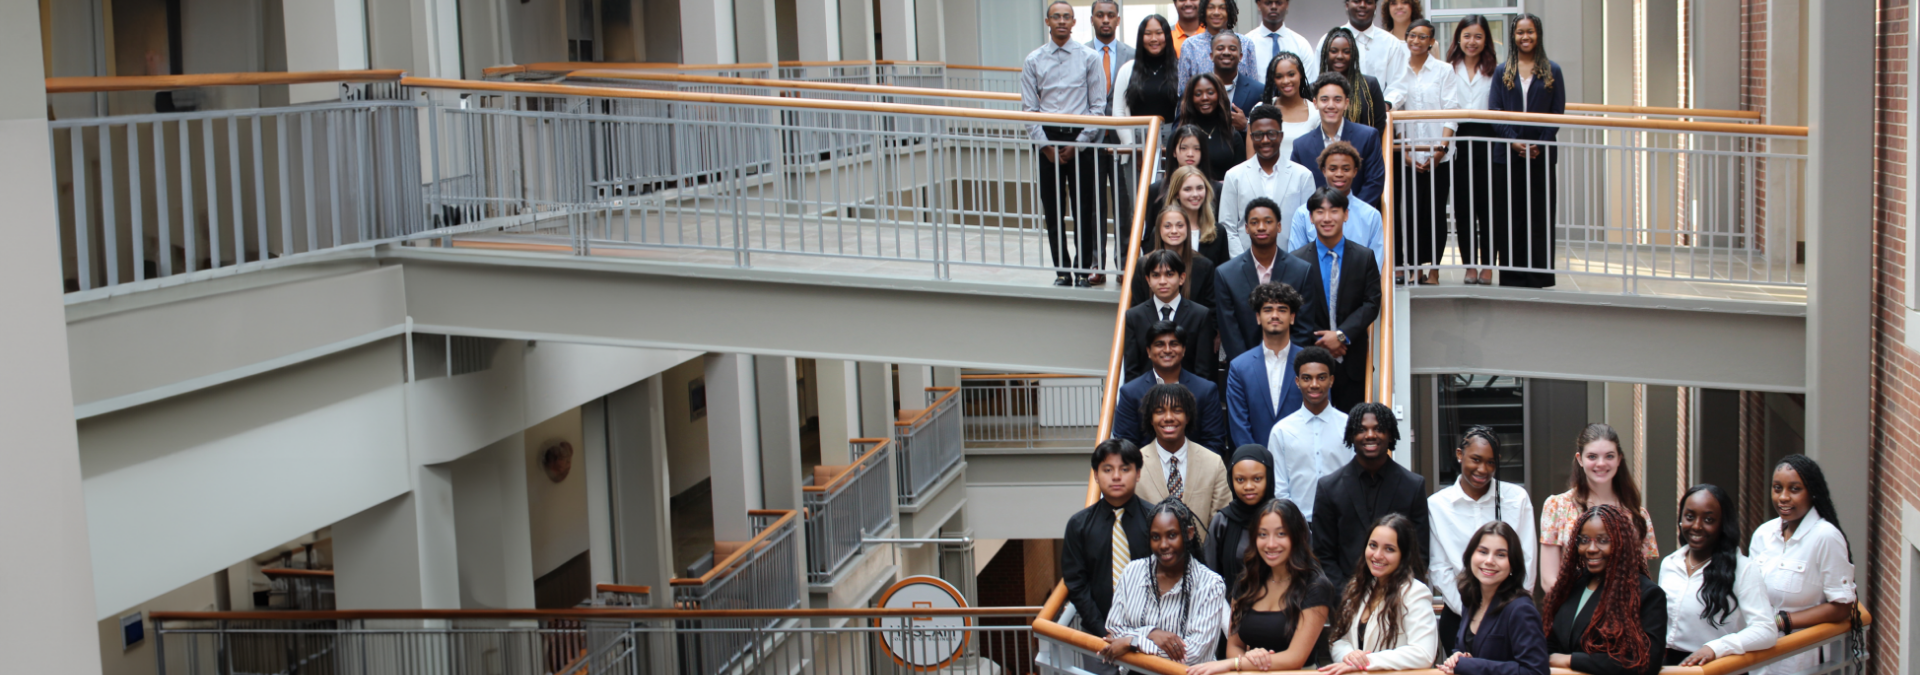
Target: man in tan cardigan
[(1174, 465)]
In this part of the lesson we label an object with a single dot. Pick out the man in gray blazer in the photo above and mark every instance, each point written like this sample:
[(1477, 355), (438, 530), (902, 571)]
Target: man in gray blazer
[(1116, 182)]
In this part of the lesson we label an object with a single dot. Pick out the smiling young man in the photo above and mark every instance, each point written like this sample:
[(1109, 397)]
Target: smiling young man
[(1264, 262), (1260, 381), (1342, 296), (1266, 174), (1186, 23), (1165, 348), (1311, 442), (1198, 54), (1064, 77), (1476, 498), (1273, 36), (1339, 166), (1094, 548), (1166, 276), (1175, 465), (1348, 501), (1329, 94)]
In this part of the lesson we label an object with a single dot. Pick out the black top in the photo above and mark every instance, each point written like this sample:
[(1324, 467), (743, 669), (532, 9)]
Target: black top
[(1087, 561), (1226, 148), (1273, 631), (1509, 642), (1199, 283), (1571, 621), (1372, 109), (1350, 500)]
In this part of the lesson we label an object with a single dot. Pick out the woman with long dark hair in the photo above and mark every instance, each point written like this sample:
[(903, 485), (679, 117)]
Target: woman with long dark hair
[(1604, 616), (1501, 634), (1366, 105), (1716, 603), (1602, 478), (1527, 82), (1385, 618), (1167, 604), (1286, 88), (1150, 83), (1803, 557), (1475, 193), (1250, 481), (1280, 612), (1424, 152), (1206, 108)]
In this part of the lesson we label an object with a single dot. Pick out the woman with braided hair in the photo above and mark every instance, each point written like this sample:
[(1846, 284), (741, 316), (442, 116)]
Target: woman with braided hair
[(1385, 617), (1604, 616), (1168, 604), (1339, 53), (1803, 558), (1458, 511)]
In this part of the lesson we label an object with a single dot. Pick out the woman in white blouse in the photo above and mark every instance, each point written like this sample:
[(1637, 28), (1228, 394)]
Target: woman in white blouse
[(1458, 511), (1423, 149), (1168, 604), (1385, 618), (1474, 190), (1286, 90), (1802, 557), (1716, 604)]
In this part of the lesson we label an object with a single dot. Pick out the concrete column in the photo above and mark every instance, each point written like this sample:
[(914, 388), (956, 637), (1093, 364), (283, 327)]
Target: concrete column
[(838, 384), (48, 601), (421, 37), (733, 444), (899, 30), (819, 29), (914, 381), (706, 27), (402, 553), (876, 400), (493, 523), (856, 30), (600, 536), (779, 408), (1716, 54), (757, 37), (946, 377), (1840, 249), (932, 36), (637, 460), (1663, 441), (324, 35)]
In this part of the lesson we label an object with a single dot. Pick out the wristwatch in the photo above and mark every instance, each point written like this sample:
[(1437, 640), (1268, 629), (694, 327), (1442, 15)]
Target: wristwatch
[(1343, 337)]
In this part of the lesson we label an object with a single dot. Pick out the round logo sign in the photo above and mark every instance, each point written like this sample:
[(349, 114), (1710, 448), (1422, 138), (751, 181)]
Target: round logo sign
[(923, 643)]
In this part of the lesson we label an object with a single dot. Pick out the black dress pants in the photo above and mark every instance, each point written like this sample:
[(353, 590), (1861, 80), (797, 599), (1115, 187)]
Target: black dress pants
[(1420, 222), (1475, 193), (1080, 180), (1526, 239)]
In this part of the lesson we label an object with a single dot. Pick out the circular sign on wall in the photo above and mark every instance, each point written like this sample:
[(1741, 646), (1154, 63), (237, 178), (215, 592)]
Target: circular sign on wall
[(923, 643)]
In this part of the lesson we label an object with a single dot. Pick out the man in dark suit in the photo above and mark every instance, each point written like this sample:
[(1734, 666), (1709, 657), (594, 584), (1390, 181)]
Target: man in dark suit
[(1347, 502), (1244, 91), (1116, 180), (1166, 275), (1234, 282), (1261, 388), (1330, 93), (1087, 564), (1166, 345), (1342, 295)]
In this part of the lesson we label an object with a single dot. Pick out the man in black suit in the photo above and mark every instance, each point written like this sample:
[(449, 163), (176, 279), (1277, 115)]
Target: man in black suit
[(1087, 564), (1166, 275), (1339, 314), (1348, 501), (1263, 262)]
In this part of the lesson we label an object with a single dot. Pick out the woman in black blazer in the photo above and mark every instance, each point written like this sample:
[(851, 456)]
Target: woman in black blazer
[(1523, 227), (1503, 635), (1605, 617)]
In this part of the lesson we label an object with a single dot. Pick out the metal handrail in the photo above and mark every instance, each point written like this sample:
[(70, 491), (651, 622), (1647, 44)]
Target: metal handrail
[(81, 85), (784, 84), (1549, 119), (785, 518)]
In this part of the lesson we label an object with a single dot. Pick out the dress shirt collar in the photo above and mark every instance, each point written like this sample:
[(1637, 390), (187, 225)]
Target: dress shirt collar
[(1115, 44), (1158, 305), (1338, 249), (1327, 415), (1264, 271), (1457, 494), (1272, 355), (1373, 31), (1337, 132), (1262, 31), (1807, 525), (1060, 48), (1167, 457)]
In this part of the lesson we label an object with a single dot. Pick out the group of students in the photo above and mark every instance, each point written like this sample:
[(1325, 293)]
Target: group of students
[(1312, 119), (1220, 569)]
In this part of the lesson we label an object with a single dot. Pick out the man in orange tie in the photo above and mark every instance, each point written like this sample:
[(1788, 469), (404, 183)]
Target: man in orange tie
[(1114, 184)]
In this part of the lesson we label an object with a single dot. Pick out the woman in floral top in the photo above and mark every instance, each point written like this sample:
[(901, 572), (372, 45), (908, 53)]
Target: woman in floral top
[(1602, 478)]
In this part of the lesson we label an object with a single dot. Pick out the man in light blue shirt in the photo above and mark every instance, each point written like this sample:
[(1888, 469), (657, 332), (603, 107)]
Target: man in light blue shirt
[(1340, 163)]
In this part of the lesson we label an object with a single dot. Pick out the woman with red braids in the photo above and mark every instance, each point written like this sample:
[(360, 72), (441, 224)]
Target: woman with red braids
[(1617, 624)]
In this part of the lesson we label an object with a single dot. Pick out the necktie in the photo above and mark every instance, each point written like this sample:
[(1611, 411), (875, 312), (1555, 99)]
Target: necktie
[(1120, 553), (1333, 285), (1176, 488), (1166, 313), (1275, 39), (1106, 65)]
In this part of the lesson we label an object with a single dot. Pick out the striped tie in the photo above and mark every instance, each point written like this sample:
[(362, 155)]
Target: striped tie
[(1176, 488), (1120, 553)]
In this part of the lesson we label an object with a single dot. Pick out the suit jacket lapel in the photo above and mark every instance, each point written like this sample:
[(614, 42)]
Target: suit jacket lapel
[(1150, 469)]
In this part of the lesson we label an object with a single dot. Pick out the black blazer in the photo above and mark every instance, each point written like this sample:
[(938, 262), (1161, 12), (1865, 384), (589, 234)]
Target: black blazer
[(1510, 642), (1344, 512), (1087, 561), (1569, 626), (1193, 316), (1540, 99), (1199, 279), (1358, 301), (1233, 287)]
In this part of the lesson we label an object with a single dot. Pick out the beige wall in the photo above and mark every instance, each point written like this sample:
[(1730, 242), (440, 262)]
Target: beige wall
[(557, 512), (686, 439), (139, 660)]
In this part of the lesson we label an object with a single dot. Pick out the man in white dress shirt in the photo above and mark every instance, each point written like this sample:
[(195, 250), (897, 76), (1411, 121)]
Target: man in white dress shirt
[(1267, 174), (1310, 442), (1382, 55), (1273, 36)]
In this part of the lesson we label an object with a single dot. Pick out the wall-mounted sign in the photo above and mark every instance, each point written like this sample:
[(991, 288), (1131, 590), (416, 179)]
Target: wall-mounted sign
[(923, 643), (133, 630)]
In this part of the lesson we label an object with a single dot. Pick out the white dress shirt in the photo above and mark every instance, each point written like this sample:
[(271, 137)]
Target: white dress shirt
[(1276, 363), (1434, 87), (1475, 88), (1419, 638), (1139, 608), (1173, 306), (1290, 41), (1289, 185), (1305, 447), (1382, 55), (1799, 573), (1749, 628), (1454, 517)]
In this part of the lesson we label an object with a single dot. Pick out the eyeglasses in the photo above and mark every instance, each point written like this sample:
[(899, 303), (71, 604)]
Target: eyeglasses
[(1582, 540), (1264, 135)]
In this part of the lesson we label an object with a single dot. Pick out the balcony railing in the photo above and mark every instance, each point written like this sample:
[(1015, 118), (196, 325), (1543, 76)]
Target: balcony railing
[(1030, 411), (827, 89), (300, 588), (845, 505), (930, 443), (983, 78), (620, 595)]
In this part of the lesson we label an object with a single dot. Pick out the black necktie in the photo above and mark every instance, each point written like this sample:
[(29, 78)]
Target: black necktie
[(1166, 313)]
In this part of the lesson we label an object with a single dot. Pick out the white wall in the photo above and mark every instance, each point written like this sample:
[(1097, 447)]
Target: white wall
[(557, 512), (536, 30), (686, 438), (490, 516)]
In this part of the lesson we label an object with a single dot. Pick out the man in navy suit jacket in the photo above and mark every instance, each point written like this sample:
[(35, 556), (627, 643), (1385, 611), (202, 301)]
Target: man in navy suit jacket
[(1253, 402), (1226, 57), (1233, 282), (1330, 97), (1166, 346), (1354, 295)]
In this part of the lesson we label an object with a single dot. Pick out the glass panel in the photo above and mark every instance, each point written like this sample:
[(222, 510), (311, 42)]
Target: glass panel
[(1494, 401)]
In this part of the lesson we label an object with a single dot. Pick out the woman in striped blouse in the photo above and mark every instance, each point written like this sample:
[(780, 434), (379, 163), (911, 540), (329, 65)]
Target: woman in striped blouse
[(1168, 604)]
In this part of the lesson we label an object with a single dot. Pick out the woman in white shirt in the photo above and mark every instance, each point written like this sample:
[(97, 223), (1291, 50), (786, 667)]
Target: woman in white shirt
[(1385, 618), (1716, 604), (1168, 604), (1286, 90), (1802, 558), (1423, 149), (1458, 511), (1474, 191)]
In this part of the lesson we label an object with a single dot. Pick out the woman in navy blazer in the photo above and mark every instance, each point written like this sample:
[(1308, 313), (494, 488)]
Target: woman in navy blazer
[(1528, 82), (1504, 634)]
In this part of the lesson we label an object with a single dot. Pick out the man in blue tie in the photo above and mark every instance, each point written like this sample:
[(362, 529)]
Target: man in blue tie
[(1260, 382), (1342, 295)]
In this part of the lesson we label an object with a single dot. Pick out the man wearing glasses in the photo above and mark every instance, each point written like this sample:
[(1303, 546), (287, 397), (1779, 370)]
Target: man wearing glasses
[(1267, 174), (1330, 92)]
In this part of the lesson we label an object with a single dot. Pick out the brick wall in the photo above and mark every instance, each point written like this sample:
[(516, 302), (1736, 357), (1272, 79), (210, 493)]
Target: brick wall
[(1895, 478)]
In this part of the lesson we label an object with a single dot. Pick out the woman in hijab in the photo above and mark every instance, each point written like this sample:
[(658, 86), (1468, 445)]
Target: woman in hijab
[(1250, 479)]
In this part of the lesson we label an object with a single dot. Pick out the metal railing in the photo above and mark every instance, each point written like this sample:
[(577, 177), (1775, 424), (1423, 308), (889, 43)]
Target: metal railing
[(983, 78), (1612, 206), (930, 443), (845, 505), (620, 595), (762, 573), (854, 89), (505, 646), (300, 588), (1030, 411)]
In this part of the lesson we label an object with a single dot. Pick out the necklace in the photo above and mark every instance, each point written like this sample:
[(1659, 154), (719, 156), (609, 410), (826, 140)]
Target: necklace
[(1694, 569)]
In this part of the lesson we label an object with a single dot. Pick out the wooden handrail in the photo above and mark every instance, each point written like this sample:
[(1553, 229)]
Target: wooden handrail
[(1677, 112), (290, 572), (1024, 376), (847, 471), (562, 66), (81, 85), (791, 84), (758, 540), (771, 101), (1606, 122), (619, 588), (1004, 69), (584, 613), (921, 414)]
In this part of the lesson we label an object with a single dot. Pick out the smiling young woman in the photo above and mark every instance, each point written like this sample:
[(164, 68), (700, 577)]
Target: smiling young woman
[(1280, 611), (1604, 616), (1502, 634), (1716, 603), (1803, 557), (1602, 478), (1461, 511), (1167, 604), (1385, 618)]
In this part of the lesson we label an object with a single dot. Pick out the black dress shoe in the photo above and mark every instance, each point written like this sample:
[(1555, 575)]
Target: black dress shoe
[(1063, 280), (1082, 282)]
